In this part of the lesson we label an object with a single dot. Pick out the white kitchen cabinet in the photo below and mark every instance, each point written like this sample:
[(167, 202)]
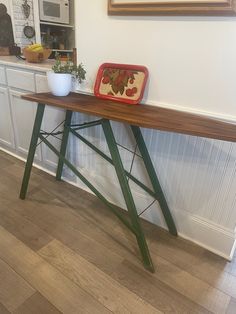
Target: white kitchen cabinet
[(2, 76), (41, 83), (21, 79), (63, 35), (6, 127), (17, 115), (23, 115)]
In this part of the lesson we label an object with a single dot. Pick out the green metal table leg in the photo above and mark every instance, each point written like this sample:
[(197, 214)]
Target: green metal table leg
[(115, 155), (154, 180), (32, 149), (64, 144)]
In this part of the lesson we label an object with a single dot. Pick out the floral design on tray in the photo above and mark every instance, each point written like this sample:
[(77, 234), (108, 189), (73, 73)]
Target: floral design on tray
[(121, 82)]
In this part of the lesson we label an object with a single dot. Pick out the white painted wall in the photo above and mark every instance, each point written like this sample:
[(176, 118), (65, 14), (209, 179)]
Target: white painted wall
[(191, 59), (8, 5), (192, 67)]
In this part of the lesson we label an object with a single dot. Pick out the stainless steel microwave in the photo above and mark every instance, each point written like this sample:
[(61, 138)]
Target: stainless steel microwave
[(56, 11)]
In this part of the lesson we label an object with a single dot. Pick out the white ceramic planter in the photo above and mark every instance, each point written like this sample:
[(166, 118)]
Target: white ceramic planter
[(59, 84)]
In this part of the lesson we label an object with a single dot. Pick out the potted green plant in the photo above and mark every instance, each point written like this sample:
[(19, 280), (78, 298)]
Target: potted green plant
[(60, 78)]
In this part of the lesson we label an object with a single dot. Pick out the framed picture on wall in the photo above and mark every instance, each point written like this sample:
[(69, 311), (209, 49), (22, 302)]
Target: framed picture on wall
[(172, 7)]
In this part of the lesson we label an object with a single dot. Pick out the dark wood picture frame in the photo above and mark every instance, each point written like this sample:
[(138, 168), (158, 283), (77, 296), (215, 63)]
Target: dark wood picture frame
[(174, 7)]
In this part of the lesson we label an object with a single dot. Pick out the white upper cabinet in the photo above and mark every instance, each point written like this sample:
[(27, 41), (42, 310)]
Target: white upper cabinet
[(57, 36)]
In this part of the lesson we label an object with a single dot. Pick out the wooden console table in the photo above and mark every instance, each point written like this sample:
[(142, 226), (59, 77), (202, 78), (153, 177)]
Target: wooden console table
[(136, 116)]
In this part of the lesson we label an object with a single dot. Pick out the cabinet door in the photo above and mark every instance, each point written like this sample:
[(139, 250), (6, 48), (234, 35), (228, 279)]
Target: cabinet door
[(23, 113), (20, 79), (3, 80), (52, 117), (6, 127)]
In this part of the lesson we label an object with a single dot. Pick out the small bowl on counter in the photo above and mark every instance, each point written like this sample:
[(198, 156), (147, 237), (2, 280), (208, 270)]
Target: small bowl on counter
[(36, 56)]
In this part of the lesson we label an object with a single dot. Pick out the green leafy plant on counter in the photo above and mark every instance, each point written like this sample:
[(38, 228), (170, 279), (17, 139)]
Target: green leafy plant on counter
[(68, 67)]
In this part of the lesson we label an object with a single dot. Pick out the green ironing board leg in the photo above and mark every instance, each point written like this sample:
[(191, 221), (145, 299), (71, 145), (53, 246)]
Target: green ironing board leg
[(32, 149), (115, 155), (64, 144), (154, 180)]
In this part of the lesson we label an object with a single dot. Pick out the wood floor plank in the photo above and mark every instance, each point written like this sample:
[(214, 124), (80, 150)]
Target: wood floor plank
[(54, 224), (214, 301), (15, 170), (54, 286), (88, 224), (96, 282), (14, 290), (193, 288), (198, 285), (188, 279), (232, 307), (201, 264), (92, 229), (6, 155), (4, 161), (3, 310), (3, 197), (182, 281), (23, 229), (154, 291), (10, 184), (173, 276), (107, 291), (36, 304)]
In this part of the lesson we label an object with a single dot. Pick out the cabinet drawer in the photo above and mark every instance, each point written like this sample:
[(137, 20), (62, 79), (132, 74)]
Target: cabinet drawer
[(2, 75), (41, 83), (21, 79)]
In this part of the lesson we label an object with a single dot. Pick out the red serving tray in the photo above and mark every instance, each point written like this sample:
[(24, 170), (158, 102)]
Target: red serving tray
[(121, 82)]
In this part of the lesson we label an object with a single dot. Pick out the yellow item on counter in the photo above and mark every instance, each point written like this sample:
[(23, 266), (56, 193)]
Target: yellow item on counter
[(35, 47)]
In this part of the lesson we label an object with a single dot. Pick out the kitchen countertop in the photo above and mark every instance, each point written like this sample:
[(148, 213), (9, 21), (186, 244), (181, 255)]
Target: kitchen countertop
[(14, 61)]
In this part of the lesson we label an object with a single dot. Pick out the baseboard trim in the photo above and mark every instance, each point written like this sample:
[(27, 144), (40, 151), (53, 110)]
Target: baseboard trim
[(213, 237)]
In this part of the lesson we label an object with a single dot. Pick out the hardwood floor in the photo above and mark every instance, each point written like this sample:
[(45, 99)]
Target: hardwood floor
[(62, 251)]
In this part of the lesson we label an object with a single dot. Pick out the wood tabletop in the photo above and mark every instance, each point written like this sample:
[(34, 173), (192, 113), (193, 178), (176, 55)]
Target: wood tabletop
[(146, 116)]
